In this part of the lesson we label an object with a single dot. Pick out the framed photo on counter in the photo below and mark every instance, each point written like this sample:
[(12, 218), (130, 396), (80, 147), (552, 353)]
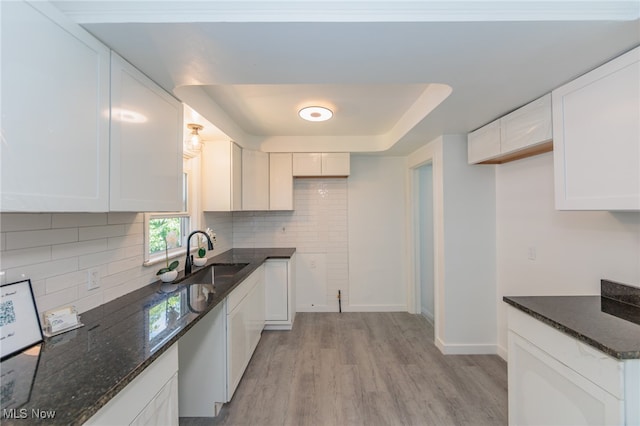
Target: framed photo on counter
[(19, 324)]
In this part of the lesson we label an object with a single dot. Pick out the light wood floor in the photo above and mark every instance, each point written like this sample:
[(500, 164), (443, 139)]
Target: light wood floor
[(364, 369)]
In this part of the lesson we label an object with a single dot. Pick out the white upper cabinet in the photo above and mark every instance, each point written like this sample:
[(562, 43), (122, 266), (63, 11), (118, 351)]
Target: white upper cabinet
[(335, 163), (308, 164), (280, 181), (146, 143), (255, 180), (519, 134), (596, 133), (55, 113), (221, 176), (527, 126), (484, 143)]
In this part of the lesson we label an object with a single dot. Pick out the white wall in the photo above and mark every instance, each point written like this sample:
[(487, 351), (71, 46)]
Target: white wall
[(377, 256), (470, 244), (317, 228), (574, 249)]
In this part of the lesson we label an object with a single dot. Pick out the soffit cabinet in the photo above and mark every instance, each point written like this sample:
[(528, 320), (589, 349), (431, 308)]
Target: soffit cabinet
[(522, 133)]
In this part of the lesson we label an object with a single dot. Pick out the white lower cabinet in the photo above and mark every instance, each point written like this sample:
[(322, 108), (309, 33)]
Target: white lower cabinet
[(245, 322), (150, 399), (556, 380), (280, 299), (203, 366), (216, 351)]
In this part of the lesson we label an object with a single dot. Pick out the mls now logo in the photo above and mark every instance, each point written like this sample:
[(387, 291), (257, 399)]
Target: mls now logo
[(23, 413)]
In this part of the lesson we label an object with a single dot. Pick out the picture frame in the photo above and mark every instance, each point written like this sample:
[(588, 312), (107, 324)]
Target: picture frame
[(19, 323)]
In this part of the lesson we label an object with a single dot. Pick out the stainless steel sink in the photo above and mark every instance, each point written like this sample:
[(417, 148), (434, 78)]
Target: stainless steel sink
[(226, 270), (219, 271)]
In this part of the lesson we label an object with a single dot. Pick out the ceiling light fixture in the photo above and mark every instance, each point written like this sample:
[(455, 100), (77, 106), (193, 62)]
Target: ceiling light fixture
[(193, 142), (315, 113)]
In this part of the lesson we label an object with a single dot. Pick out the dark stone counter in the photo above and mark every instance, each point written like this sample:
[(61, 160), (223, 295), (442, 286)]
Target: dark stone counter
[(74, 374), (610, 322)]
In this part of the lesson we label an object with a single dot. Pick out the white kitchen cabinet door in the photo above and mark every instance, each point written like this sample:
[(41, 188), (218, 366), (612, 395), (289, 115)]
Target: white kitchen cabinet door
[(335, 163), (245, 322), (280, 297), (544, 391), (280, 181), (146, 143), (221, 176), (307, 164), (276, 290), (527, 126), (255, 180), (484, 143), (55, 113), (203, 364), (596, 136), (150, 399)]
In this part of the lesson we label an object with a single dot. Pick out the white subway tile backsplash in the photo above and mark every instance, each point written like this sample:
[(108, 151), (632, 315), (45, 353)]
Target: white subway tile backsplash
[(124, 218), (58, 299), (76, 220), (56, 250), (44, 237), (42, 270), (124, 265), (60, 251), (38, 287), (61, 282), (22, 257), (125, 241), (24, 221), (91, 301), (95, 232)]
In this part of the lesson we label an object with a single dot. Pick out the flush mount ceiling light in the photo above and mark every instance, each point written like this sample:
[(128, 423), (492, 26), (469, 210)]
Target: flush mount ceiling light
[(193, 142), (315, 113)]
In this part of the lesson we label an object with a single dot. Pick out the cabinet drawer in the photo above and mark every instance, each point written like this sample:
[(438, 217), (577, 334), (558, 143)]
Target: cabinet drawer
[(244, 288), (600, 368)]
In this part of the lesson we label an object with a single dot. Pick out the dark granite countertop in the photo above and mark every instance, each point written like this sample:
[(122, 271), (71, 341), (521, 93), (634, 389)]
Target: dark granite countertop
[(606, 323), (76, 373)]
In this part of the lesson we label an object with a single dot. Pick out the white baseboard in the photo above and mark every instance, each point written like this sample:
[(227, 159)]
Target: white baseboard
[(502, 352), (466, 349), (375, 308), (317, 308)]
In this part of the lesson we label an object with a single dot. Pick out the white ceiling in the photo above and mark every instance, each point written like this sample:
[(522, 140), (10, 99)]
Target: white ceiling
[(383, 66)]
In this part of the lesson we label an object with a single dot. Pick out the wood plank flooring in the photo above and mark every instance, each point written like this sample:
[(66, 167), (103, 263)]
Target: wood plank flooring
[(364, 369)]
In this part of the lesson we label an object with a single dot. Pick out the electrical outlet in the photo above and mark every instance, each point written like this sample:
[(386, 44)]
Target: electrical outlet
[(93, 281), (531, 253)]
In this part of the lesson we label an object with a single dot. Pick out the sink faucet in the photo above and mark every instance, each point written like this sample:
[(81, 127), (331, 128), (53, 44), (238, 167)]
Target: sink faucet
[(187, 263)]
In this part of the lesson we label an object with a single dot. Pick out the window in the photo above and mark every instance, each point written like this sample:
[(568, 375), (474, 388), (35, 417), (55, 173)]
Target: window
[(174, 228)]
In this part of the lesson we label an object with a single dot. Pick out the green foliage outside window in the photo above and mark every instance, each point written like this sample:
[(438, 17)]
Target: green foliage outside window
[(158, 231)]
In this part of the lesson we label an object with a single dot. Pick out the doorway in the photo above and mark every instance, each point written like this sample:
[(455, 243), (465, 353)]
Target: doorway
[(425, 241)]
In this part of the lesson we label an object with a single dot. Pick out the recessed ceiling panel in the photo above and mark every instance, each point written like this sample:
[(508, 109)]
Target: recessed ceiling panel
[(267, 110)]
